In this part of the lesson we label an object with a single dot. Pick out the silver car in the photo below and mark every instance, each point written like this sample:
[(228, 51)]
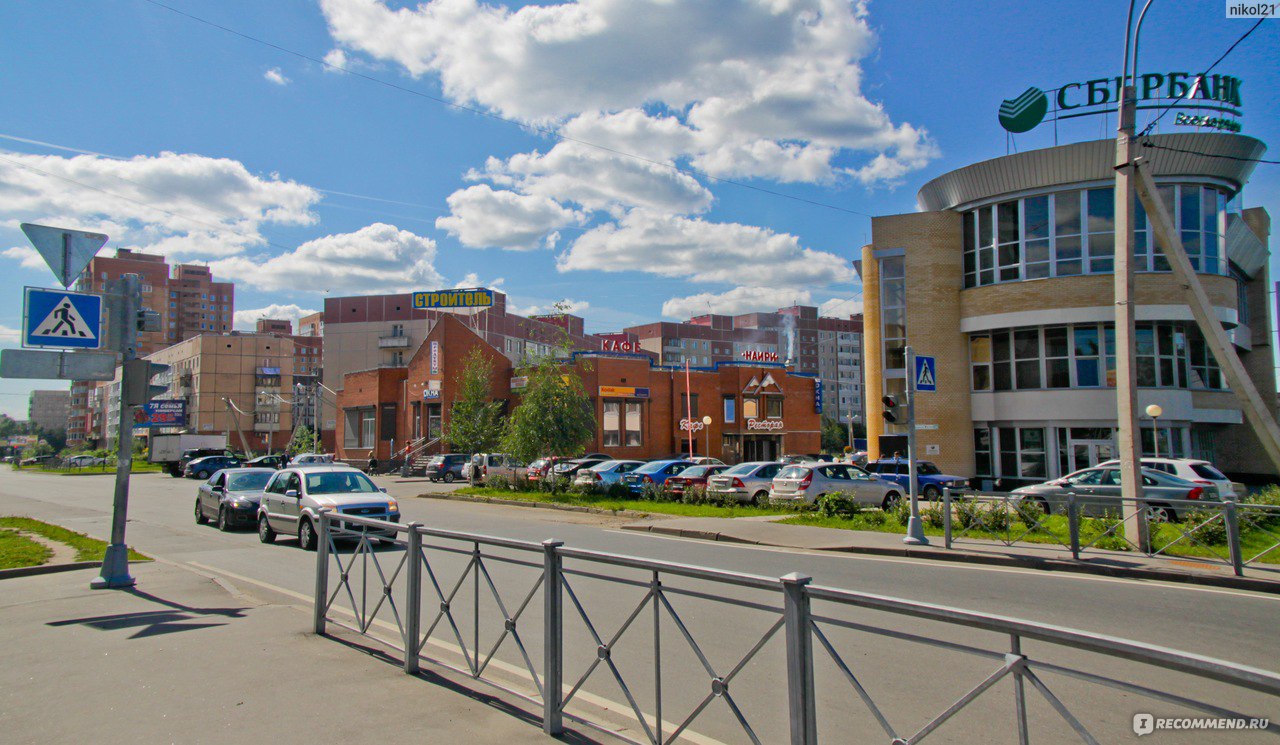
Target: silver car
[(1097, 492), (746, 482), (606, 474), (806, 482), (292, 501)]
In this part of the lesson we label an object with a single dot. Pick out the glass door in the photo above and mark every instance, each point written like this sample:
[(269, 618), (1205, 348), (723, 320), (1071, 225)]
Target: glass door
[(1089, 453)]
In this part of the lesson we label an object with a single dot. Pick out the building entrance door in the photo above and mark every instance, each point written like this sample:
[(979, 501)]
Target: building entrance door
[(1089, 453), (433, 421), (761, 447)]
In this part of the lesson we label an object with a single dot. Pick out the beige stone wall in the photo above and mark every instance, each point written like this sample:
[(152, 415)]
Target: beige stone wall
[(1085, 291), (873, 379)]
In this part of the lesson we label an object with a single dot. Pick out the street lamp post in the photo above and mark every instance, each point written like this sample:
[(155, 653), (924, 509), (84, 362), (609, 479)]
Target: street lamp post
[(706, 423), (1154, 411)]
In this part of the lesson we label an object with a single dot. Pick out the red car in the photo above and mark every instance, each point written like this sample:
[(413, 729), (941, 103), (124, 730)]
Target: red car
[(692, 476)]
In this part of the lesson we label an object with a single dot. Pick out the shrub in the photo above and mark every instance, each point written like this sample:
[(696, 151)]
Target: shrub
[(654, 493), (998, 517), (838, 505), (932, 516), (874, 518), (695, 495), (1030, 514), (554, 484), (1269, 494), (967, 513), (619, 490), (1209, 525), (582, 489), (498, 481), (901, 511)]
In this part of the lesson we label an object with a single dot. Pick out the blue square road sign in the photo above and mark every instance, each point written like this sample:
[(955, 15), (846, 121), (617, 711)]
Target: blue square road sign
[(926, 374), (58, 318)]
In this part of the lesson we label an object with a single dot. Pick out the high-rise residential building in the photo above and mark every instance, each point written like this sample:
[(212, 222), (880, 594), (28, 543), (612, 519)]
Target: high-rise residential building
[(48, 409), (188, 301), (308, 353)]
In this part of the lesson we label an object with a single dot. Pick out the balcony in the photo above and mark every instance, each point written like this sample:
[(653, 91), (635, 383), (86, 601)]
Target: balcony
[(393, 342)]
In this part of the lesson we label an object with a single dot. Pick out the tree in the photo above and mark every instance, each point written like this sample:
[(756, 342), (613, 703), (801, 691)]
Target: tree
[(554, 416), (835, 435), (304, 440), (475, 420)]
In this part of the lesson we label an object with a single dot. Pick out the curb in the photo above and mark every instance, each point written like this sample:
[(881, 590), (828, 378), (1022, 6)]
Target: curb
[(1049, 565), (452, 497), (47, 569)]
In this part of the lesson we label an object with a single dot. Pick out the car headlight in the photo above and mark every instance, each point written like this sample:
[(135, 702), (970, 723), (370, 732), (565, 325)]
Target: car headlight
[(392, 506)]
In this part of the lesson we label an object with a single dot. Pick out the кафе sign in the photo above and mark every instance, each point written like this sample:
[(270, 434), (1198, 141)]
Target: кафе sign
[(1181, 90)]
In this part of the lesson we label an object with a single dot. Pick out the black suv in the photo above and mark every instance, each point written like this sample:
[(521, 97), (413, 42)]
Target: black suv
[(446, 468)]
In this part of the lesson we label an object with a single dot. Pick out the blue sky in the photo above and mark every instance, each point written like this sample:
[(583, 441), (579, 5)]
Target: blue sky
[(297, 181)]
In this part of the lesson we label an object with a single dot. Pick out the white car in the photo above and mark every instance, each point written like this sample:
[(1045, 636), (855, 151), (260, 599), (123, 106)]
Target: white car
[(292, 500), (85, 461), (806, 482), (1191, 469), (310, 459)]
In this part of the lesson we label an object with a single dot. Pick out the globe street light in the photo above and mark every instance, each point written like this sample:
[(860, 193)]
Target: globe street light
[(1154, 411), (706, 420)]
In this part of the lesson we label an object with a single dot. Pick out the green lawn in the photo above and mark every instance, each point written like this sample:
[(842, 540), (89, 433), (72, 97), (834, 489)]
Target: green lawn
[(605, 502), (139, 466), (20, 551), (87, 549)]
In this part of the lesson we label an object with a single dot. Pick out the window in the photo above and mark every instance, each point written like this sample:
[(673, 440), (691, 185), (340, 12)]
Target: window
[(774, 406), (982, 451), (689, 406), (1057, 365), (750, 407), (1035, 232), (612, 424), (1022, 452), (1009, 249), (634, 425), (1026, 353), (729, 406), (893, 312), (1102, 230)]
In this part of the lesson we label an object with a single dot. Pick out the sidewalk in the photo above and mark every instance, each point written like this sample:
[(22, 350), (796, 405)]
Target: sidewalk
[(184, 658), (1049, 557)]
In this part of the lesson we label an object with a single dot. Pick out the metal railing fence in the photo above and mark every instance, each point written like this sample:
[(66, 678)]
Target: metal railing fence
[(1233, 534), (428, 593)]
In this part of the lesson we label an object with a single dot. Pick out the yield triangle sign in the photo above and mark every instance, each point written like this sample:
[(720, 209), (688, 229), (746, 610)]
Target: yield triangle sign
[(67, 252), (65, 321)]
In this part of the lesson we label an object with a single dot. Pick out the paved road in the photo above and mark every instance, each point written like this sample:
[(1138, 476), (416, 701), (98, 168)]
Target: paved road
[(1234, 625)]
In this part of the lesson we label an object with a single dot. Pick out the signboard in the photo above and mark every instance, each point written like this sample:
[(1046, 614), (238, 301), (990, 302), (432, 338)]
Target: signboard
[(164, 413), (269, 371), (430, 394), (764, 424), (616, 391), (926, 377), (519, 381), (1178, 90), (817, 396), (67, 252), (60, 365), (926, 427), (618, 343), (476, 298), (932, 449), (691, 426), (57, 318), (435, 358), (755, 355), (21, 441)]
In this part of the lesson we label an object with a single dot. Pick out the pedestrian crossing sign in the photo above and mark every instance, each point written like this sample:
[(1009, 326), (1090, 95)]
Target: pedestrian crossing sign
[(58, 318), (926, 378)]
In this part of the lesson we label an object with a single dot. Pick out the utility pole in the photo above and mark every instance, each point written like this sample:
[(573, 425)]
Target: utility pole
[(915, 528), (124, 325)]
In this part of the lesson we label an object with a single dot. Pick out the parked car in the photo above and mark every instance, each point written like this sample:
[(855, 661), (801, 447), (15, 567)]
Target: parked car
[(929, 479), (231, 496), (85, 461), (571, 468), (703, 460), (1193, 470), (447, 467), (654, 472), (203, 468), (310, 459), (797, 458), (808, 481), (746, 482), (267, 461), (1097, 493), (292, 500), (493, 464), (194, 453), (35, 461), (695, 475), (606, 473)]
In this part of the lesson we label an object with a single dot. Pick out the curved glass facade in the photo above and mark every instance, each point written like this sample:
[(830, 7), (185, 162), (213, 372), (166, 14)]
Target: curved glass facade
[(1072, 232)]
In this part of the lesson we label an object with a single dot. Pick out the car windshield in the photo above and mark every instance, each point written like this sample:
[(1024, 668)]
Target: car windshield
[(925, 468), (339, 482), (742, 469), (247, 481), (605, 466), (793, 472), (1206, 471), (696, 471), (653, 467)]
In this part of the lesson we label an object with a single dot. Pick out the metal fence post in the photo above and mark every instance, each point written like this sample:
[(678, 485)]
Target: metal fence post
[(1073, 524), (553, 639), (1019, 692), (946, 516), (322, 573), (1232, 518), (413, 599), (800, 690)]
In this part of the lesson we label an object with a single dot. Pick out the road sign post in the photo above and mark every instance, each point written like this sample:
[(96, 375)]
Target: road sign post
[(915, 528)]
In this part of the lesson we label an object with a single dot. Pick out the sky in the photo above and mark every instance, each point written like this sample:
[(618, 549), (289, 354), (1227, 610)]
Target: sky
[(640, 160)]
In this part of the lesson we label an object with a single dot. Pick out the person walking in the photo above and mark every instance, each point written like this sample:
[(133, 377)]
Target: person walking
[(373, 463)]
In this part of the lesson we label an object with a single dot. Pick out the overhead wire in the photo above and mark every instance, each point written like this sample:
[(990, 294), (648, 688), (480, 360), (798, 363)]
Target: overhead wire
[(546, 131)]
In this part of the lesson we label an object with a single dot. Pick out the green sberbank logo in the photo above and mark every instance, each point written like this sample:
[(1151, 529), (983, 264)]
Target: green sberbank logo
[(1025, 112)]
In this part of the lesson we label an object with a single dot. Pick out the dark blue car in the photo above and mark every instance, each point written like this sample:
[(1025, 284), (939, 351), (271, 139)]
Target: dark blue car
[(655, 472), (931, 480)]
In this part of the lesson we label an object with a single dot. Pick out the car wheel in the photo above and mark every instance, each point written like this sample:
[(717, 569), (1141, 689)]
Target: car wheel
[(449, 477), (760, 498), (891, 500), (931, 493), (200, 518), (1162, 513), (202, 474), (223, 525), (265, 533), (306, 535), (1043, 505)]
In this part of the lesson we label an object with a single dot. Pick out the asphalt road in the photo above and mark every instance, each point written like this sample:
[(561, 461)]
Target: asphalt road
[(911, 682)]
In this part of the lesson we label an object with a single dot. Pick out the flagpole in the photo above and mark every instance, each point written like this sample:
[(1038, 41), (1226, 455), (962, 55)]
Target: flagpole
[(688, 405)]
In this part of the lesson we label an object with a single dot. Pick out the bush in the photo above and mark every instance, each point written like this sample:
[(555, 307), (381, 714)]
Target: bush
[(1209, 533), (582, 489), (839, 505), (498, 481), (619, 490), (967, 513), (554, 484), (1269, 494), (932, 516), (901, 511), (654, 493), (1030, 514), (874, 518), (998, 517)]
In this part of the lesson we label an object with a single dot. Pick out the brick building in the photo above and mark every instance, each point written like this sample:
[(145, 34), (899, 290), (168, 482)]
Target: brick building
[(758, 410), (308, 354), (48, 409)]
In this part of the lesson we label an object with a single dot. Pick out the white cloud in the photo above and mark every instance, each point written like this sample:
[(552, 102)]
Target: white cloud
[(247, 319), (736, 301), (566, 305), (8, 335), (482, 217), (337, 58), (699, 250), (473, 280), (378, 258), (838, 307), (177, 204), (28, 256), (275, 76)]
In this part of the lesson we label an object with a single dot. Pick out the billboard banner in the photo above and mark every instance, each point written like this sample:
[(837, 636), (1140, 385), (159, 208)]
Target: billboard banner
[(161, 414)]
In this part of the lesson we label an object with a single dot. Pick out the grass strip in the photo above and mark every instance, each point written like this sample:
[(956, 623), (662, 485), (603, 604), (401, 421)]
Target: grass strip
[(87, 549), (20, 551), (605, 502)]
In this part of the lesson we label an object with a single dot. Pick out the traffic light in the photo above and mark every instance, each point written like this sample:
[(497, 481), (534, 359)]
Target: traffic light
[(136, 386), (890, 412)]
